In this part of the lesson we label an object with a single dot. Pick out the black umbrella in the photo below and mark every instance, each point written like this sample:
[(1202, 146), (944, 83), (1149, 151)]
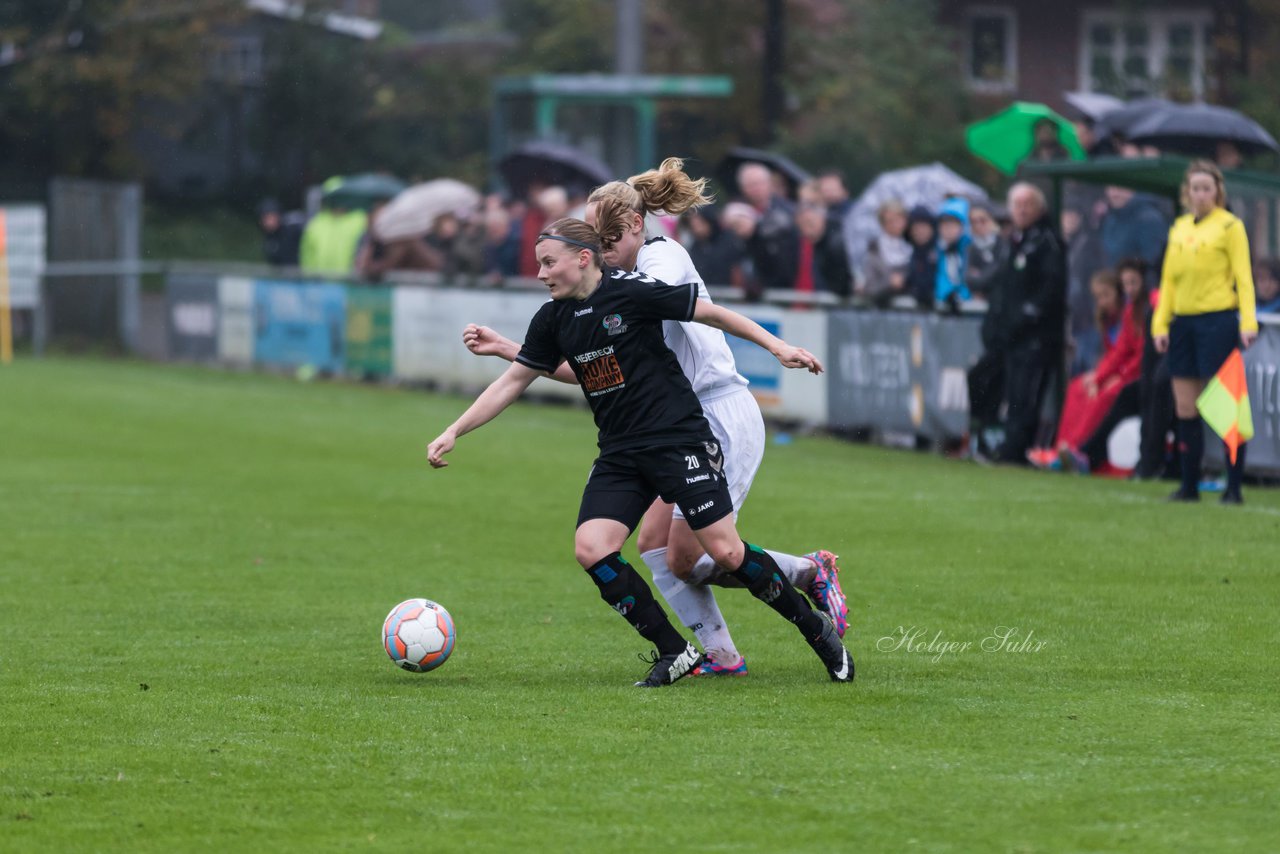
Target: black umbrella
[(793, 173), (1121, 120), (1198, 128), (551, 163)]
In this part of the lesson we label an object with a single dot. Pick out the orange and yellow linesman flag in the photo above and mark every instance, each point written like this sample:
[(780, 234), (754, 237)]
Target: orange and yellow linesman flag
[(1224, 404)]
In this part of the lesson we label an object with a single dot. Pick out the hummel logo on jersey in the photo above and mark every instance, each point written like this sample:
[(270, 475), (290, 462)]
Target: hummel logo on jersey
[(580, 312)]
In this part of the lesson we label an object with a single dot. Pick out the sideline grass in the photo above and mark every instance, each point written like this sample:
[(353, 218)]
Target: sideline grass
[(194, 566)]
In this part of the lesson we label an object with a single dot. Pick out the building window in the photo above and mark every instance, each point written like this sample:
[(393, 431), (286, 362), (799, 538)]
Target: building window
[(237, 59), (1146, 53), (991, 62)]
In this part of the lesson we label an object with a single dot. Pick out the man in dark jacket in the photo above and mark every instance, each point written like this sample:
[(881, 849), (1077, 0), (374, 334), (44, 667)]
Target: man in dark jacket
[(774, 244), (1029, 317), (1133, 227), (281, 234)]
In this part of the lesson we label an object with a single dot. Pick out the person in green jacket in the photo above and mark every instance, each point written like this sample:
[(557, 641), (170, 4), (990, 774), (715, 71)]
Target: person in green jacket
[(330, 240)]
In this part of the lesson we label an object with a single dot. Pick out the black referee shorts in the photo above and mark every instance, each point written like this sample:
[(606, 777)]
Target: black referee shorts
[(623, 484), (1200, 343)]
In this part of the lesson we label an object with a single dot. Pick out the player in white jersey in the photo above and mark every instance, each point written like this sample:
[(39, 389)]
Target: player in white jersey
[(680, 567)]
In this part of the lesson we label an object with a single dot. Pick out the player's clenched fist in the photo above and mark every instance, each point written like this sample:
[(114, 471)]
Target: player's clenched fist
[(440, 446), (481, 340)]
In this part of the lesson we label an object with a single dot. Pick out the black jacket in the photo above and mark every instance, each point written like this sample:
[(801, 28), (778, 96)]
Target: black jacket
[(830, 264), (1028, 303), (775, 245)]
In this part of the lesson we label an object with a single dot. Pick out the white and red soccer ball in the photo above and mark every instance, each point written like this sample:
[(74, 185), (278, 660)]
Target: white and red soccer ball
[(418, 634)]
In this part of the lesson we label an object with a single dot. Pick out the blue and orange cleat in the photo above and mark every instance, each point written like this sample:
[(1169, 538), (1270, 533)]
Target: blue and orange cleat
[(825, 591), (709, 667)]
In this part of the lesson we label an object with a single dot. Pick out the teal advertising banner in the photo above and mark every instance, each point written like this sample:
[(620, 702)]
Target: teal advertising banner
[(299, 324)]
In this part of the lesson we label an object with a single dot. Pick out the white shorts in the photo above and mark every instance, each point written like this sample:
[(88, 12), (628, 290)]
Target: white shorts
[(737, 424)]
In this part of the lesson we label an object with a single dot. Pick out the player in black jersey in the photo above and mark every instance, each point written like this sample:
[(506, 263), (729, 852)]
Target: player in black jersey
[(653, 437)]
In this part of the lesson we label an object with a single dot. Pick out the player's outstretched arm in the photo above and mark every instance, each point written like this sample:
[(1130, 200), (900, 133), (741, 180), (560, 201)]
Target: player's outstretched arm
[(747, 329), (483, 341), (500, 394)]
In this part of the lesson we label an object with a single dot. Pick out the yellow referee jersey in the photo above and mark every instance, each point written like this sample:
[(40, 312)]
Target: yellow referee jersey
[(1206, 268)]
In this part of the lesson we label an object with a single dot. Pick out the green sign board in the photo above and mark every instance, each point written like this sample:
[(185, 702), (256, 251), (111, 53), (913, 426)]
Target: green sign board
[(369, 330)]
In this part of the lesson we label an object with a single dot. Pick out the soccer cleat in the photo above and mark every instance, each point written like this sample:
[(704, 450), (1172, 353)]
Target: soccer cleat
[(709, 667), (1042, 458), (1181, 496), (834, 656), (668, 668), (826, 592)]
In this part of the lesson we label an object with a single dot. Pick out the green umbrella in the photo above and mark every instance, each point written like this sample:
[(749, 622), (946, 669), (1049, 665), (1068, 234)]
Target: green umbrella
[(1005, 139), (360, 191)]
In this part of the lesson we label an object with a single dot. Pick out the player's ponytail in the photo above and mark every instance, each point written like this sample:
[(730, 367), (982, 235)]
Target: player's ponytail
[(613, 218), (669, 189)]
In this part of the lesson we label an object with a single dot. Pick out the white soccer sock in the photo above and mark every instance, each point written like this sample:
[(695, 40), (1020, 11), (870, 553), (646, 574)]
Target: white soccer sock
[(800, 571), (703, 570), (695, 606)]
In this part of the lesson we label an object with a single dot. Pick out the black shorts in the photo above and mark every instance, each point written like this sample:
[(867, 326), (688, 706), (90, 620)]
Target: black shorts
[(623, 484), (1200, 343)]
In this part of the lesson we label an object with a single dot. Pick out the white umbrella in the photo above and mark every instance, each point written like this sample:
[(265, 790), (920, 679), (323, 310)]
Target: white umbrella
[(415, 210), (929, 185)]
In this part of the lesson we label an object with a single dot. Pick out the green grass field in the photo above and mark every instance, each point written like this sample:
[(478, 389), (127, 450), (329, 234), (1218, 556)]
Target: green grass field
[(194, 567)]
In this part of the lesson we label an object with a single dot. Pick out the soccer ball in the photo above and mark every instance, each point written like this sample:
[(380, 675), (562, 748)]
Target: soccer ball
[(418, 635)]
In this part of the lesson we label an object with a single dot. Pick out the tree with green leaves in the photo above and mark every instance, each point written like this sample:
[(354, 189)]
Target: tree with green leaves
[(79, 72)]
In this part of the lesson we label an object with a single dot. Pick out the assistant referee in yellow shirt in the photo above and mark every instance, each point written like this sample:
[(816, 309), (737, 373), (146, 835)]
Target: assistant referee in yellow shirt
[(1206, 310)]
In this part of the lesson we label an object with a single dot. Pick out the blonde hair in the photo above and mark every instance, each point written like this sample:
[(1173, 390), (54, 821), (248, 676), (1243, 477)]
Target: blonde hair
[(611, 221), (667, 189), (890, 206), (1203, 167)]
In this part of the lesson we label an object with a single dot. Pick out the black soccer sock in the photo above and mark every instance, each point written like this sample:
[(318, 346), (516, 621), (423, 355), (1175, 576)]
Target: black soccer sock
[(625, 591), (766, 582), (1191, 451), (1235, 471)]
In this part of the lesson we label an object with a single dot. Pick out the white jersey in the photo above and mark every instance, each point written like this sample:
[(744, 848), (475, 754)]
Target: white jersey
[(702, 351)]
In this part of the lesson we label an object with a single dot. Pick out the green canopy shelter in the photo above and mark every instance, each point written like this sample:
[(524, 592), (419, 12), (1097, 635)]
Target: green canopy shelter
[(1253, 196), (612, 116)]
